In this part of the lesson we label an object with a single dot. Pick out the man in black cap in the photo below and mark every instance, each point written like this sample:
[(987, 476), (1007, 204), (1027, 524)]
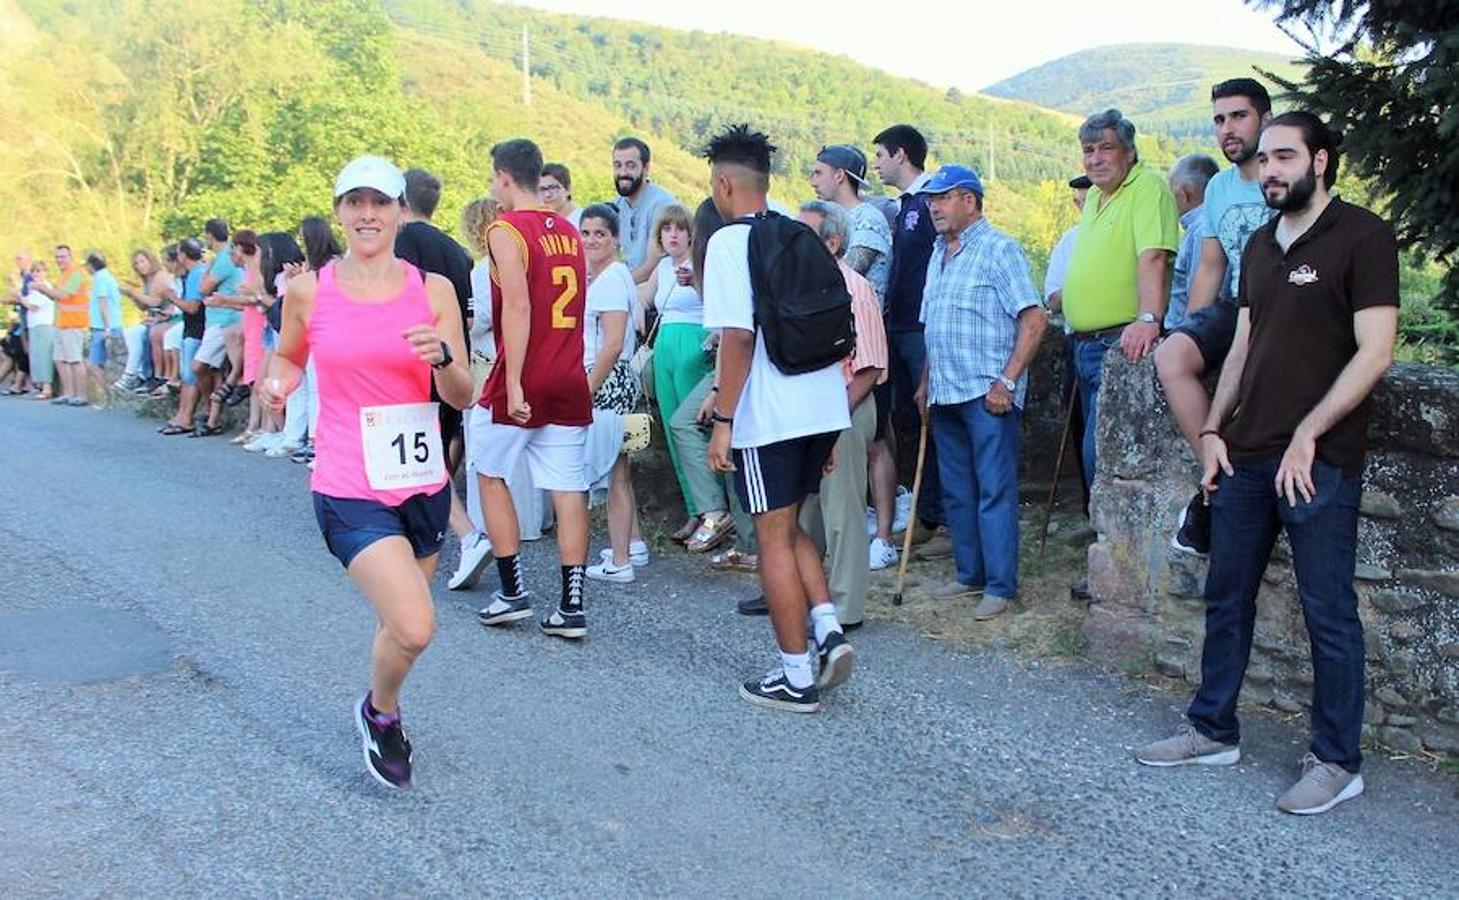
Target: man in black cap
[(837, 177)]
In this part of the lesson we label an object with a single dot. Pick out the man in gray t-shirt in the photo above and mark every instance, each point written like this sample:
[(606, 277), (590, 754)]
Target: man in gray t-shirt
[(638, 204), (837, 176)]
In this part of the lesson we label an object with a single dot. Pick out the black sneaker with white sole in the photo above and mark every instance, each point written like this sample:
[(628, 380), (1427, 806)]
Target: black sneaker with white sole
[(836, 658), (503, 610), (1193, 528), (774, 692), (387, 750), (566, 622)]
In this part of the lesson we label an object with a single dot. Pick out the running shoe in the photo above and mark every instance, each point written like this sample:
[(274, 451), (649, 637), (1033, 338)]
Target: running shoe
[(566, 622), (475, 554), (386, 748), (881, 554), (637, 553), (606, 571), (502, 609), (836, 658), (774, 692)]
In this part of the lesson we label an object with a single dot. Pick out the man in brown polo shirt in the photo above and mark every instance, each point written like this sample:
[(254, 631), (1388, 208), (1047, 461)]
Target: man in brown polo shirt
[(1283, 448)]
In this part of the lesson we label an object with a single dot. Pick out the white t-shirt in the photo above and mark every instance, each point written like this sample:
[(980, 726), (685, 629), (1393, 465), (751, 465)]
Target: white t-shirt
[(773, 406), (612, 291), (678, 304), (44, 314), (480, 307)]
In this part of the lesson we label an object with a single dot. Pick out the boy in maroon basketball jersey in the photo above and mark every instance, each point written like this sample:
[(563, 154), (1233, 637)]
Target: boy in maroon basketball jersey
[(536, 403)]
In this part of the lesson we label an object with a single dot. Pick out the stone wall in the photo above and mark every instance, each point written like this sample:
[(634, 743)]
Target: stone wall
[(1149, 607)]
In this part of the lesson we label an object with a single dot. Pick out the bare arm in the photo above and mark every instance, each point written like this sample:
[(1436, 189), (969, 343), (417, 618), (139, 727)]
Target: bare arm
[(736, 349), (1154, 282), (615, 328), (1375, 329), (1210, 272), (516, 319), (1214, 459), (861, 258), (286, 368), (650, 262), (1031, 324), (861, 385), (453, 382)]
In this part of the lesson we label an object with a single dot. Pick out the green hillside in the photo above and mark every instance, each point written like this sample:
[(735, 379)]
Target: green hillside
[(1161, 87)]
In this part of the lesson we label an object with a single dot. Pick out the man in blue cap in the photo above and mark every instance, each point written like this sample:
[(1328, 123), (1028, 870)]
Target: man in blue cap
[(983, 320)]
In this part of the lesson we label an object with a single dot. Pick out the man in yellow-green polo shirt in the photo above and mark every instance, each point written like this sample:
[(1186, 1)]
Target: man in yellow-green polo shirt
[(1118, 280)]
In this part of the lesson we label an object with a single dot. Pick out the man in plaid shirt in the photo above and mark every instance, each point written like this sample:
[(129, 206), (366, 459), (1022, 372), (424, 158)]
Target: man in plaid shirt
[(983, 321)]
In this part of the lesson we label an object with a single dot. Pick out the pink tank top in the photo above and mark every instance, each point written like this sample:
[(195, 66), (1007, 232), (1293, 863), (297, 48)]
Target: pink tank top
[(360, 360)]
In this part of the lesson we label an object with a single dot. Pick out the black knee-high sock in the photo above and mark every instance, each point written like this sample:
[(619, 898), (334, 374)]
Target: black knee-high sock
[(510, 570), (572, 586)]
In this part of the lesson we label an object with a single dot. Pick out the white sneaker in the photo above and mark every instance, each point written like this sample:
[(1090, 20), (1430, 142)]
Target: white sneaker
[(637, 553), (609, 572), (904, 509), (475, 554), (263, 442), (882, 554), (283, 448)]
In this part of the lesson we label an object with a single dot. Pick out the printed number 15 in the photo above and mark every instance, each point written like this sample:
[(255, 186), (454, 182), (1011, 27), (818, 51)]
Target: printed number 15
[(422, 449)]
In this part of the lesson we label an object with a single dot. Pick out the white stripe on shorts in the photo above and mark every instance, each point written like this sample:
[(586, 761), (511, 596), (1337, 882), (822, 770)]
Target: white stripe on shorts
[(755, 482)]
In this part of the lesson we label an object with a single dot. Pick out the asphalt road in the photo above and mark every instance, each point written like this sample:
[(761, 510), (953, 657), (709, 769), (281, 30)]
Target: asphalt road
[(178, 656)]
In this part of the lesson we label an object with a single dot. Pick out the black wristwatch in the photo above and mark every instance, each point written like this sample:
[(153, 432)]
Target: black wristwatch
[(445, 357)]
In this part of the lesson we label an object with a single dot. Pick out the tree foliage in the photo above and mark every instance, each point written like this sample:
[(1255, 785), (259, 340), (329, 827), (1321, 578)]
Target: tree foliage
[(1382, 71)]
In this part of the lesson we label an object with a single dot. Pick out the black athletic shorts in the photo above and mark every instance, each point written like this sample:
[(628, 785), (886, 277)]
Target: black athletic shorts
[(781, 474), (1212, 328), (350, 526)]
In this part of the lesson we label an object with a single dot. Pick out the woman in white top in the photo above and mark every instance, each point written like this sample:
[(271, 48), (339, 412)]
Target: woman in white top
[(680, 364), (608, 344), (40, 317)]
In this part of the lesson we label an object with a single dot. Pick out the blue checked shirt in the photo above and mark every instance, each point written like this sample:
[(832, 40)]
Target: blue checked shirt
[(970, 308)]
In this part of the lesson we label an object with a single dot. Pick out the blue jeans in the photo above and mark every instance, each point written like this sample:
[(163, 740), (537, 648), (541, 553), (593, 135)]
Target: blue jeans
[(149, 370), (1245, 515), (908, 354), (185, 367), (980, 493), (1088, 369)]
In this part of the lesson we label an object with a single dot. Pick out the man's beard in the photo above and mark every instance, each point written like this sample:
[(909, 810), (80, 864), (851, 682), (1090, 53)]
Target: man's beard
[(631, 188), (1299, 193), (1247, 151)]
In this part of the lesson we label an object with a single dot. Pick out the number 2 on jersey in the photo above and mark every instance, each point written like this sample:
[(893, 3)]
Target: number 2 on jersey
[(567, 278)]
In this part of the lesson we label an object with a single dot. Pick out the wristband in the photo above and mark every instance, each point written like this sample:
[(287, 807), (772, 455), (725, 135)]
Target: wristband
[(714, 416), (1210, 431)]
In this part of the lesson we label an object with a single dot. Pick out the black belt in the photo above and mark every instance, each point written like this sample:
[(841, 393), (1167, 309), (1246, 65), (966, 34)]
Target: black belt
[(1112, 331)]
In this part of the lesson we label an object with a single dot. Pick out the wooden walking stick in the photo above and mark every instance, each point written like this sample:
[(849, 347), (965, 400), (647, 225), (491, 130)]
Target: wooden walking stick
[(912, 519), (1058, 473)]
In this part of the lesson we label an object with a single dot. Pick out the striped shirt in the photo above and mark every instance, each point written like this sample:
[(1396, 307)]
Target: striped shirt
[(970, 310), (871, 334)]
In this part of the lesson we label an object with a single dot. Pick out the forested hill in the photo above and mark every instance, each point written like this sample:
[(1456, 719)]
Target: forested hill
[(1161, 87)]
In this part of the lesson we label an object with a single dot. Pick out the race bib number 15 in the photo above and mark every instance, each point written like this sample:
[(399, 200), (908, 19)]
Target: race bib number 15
[(402, 446)]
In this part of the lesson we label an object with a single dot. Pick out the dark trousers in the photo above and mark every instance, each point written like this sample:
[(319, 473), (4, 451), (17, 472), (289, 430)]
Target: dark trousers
[(908, 355), (1246, 513)]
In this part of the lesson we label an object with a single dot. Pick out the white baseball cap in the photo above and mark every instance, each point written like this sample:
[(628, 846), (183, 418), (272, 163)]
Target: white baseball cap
[(372, 172)]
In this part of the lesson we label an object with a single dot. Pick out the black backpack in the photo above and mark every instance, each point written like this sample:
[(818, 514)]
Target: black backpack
[(802, 306)]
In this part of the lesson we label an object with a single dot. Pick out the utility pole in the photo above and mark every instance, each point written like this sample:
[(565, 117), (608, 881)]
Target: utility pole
[(526, 67)]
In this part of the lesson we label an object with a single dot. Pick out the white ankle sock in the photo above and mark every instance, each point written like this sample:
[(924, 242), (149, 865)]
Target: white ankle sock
[(797, 669), (823, 618)]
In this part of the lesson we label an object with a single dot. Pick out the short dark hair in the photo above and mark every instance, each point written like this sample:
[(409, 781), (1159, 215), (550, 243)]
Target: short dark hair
[(246, 239), (192, 248), (1317, 135), (637, 144), (605, 212), (904, 137), (740, 146), (95, 260), (66, 247), (519, 158), (217, 229), (559, 172), (422, 192), (1249, 88)]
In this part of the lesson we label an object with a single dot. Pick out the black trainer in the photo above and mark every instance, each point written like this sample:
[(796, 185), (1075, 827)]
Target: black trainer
[(774, 692), (753, 606), (503, 609), (566, 622), (1193, 528), (387, 750), (836, 658)]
